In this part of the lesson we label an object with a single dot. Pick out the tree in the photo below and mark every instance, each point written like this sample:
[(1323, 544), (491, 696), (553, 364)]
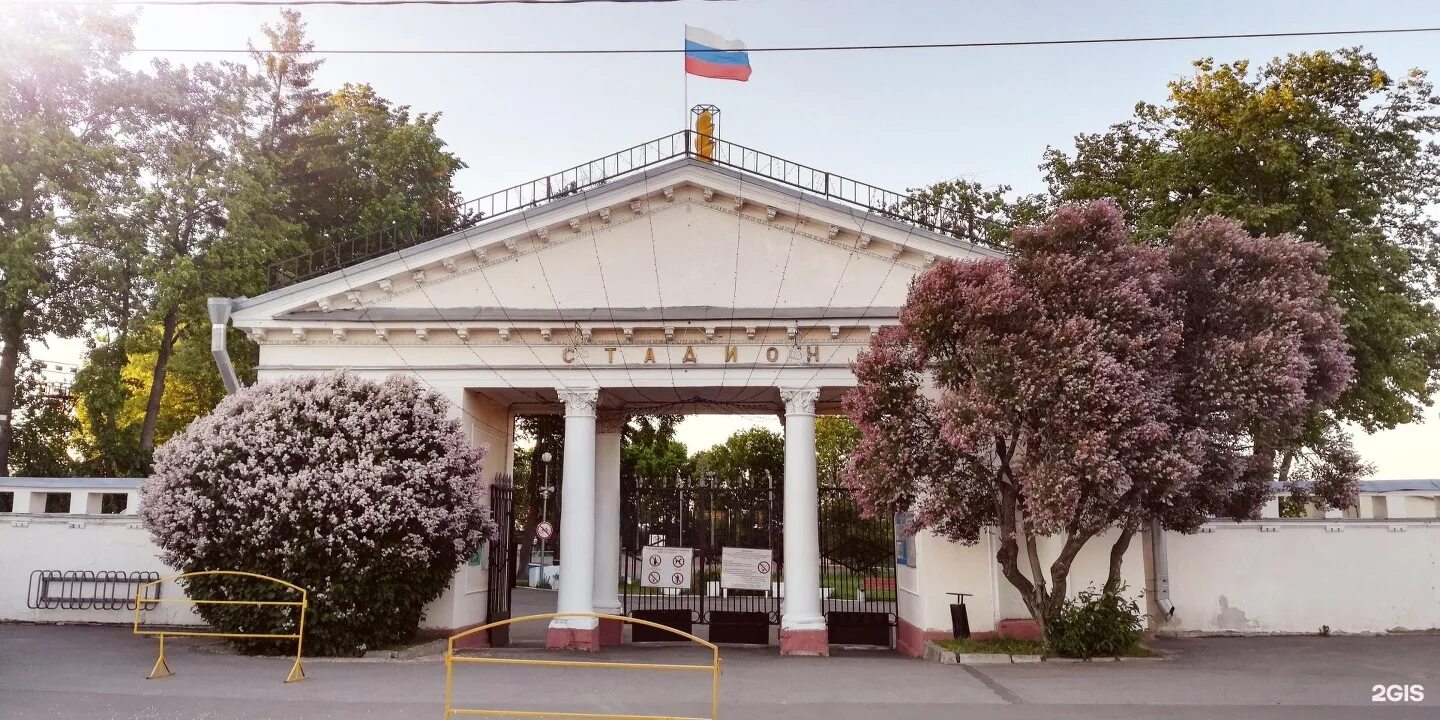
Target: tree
[(835, 438), (209, 229), (970, 211), (42, 425), (649, 449), (108, 444), (1325, 146), (58, 101), (367, 494), (1092, 383), (371, 165), (756, 455)]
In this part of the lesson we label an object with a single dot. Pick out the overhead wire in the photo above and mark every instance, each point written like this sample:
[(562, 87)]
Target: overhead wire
[(977, 44), (574, 340)]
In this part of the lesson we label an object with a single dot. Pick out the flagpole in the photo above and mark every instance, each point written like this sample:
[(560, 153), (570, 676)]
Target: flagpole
[(685, 97)]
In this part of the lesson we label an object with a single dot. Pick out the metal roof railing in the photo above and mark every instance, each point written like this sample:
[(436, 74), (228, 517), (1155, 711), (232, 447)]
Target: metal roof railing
[(580, 178)]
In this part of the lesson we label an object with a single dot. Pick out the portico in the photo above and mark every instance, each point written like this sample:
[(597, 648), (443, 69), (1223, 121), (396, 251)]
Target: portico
[(687, 286)]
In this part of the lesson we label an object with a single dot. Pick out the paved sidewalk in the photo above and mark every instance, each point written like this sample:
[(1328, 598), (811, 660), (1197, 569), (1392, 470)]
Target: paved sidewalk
[(93, 672)]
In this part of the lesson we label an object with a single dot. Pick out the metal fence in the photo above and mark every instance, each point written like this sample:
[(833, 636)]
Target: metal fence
[(959, 222)]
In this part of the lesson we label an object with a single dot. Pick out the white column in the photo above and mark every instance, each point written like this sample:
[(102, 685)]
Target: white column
[(801, 610), (577, 511), (607, 513)]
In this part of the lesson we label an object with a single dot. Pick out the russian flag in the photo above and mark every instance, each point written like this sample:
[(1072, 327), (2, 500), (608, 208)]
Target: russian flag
[(712, 56)]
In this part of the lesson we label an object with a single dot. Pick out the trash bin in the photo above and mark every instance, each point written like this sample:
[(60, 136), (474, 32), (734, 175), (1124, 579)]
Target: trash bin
[(959, 616)]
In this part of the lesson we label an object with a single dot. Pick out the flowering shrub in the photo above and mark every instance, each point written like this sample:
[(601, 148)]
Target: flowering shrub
[(1090, 383), (366, 494)]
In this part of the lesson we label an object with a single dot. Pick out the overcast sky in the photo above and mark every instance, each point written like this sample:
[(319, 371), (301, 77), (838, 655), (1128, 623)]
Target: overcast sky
[(895, 119)]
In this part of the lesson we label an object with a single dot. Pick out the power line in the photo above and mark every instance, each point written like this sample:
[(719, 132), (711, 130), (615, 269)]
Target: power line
[(779, 49), (192, 3)]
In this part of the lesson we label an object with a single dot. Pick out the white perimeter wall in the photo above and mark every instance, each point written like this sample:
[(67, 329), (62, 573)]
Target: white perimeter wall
[(1272, 576), (1295, 576), (944, 567), (49, 542), (118, 542)]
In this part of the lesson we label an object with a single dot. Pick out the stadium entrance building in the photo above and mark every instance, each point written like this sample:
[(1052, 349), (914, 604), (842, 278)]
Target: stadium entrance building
[(660, 279)]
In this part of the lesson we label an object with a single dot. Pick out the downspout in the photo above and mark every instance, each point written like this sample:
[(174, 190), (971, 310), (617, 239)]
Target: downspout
[(219, 323), (1162, 570)]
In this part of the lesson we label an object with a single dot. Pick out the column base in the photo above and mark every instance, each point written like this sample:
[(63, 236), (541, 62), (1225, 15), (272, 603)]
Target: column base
[(567, 638), (612, 632), (805, 642)]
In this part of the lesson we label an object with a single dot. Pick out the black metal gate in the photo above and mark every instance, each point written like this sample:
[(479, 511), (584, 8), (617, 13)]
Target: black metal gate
[(857, 559), (501, 572), (857, 571), (708, 515)]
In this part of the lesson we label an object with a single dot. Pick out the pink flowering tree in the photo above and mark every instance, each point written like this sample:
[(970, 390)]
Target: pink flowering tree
[(367, 494), (1089, 383)]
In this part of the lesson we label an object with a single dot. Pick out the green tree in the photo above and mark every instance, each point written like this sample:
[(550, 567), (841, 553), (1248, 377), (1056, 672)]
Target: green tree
[(648, 448), (755, 454), (205, 205), (43, 423), (970, 211), (1325, 146), (370, 164), (106, 444), (58, 102), (835, 437)]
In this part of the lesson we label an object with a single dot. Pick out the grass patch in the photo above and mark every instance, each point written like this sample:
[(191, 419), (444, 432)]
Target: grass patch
[(999, 646)]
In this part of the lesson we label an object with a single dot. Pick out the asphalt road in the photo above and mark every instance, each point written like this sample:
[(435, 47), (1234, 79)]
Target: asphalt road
[(99, 672)]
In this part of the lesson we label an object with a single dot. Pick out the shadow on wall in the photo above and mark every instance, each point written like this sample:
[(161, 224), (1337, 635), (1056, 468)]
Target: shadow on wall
[(1233, 618)]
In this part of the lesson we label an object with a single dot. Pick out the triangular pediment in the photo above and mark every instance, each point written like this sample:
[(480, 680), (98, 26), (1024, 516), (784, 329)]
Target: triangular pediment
[(704, 243)]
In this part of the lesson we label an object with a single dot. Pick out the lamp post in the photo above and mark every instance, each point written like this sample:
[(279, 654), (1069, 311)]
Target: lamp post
[(545, 497)]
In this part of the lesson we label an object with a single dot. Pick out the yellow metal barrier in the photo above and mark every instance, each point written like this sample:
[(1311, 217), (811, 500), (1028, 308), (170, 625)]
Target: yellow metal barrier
[(450, 660), (162, 669)]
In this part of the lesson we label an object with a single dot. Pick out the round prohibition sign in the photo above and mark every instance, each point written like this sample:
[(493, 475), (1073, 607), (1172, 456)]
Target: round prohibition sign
[(763, 567), (679, 561), (655, 560), (654, 578), (678, 579)]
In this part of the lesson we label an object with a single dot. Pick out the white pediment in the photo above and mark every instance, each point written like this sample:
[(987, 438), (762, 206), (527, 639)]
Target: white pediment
[(686, 236)]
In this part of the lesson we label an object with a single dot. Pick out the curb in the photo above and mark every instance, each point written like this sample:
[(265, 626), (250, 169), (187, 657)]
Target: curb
[(937, 654)]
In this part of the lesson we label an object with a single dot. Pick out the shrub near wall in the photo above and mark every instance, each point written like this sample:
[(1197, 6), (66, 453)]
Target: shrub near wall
[(367, 494)]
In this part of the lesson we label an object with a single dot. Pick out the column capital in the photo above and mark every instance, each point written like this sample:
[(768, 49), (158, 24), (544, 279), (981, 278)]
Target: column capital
[(579, 401), (800, 401), (610, 422)]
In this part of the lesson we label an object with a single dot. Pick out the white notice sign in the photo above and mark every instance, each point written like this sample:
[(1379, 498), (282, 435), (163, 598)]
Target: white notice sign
[(666, 567), (746, 568)]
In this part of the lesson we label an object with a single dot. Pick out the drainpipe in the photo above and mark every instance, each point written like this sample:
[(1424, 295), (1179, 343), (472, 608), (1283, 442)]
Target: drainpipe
[(219, 321), (1162, 570)]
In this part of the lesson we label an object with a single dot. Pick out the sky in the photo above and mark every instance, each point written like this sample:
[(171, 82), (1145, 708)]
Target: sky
[(896, 119)]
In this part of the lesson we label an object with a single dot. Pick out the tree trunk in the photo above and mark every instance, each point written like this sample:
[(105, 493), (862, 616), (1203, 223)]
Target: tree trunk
[(1282, 476), (1117, 554), (157, 381), (11, 335)]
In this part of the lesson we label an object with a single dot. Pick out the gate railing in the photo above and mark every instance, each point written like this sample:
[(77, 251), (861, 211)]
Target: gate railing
[(857, 557), (500, 576), (451, 660)]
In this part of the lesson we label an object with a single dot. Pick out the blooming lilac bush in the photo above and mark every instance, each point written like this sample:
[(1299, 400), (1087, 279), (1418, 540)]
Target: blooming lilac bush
[(366, 494), (1089, 383)]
